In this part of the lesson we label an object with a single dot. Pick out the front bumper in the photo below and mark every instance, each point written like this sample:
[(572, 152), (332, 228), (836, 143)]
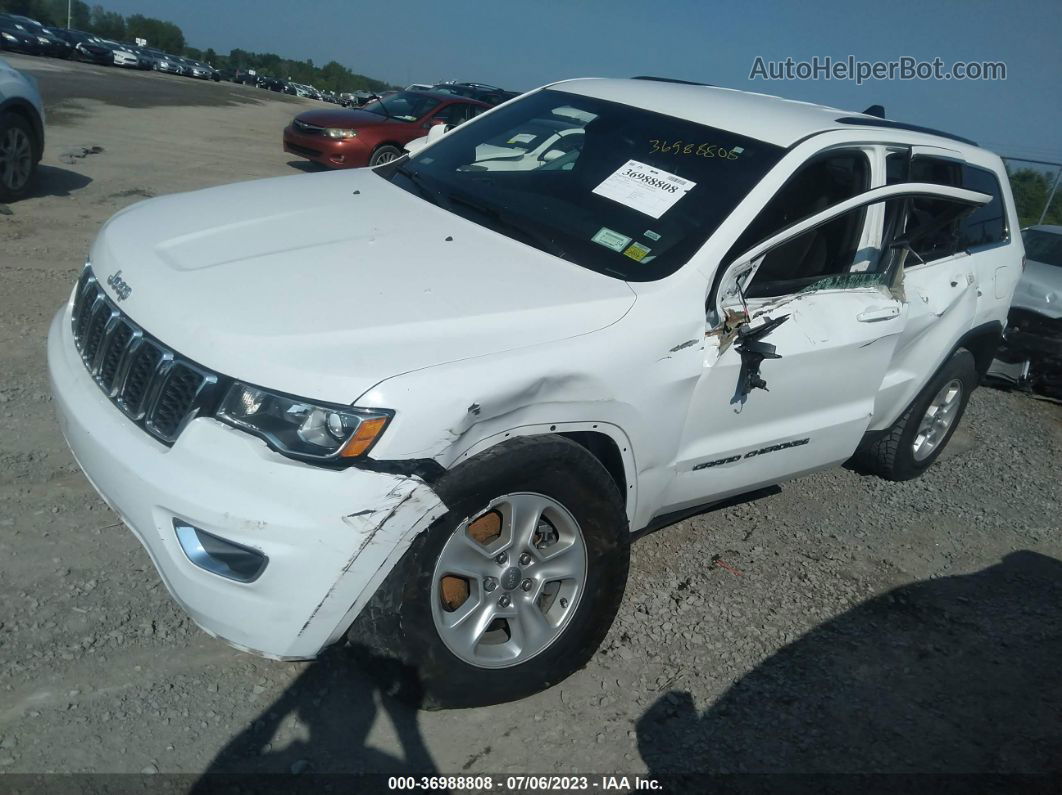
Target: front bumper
[(331, 152), (330, 535)]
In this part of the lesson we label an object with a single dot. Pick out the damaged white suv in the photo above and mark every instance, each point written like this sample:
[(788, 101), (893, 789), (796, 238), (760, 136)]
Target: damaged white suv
[(423, 407)]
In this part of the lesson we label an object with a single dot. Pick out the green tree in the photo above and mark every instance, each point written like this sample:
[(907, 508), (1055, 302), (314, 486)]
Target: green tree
[(107, 24), (1031, 188), (164, 35)]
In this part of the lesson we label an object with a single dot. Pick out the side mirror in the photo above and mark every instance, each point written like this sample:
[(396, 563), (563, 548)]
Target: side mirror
[(416, 145), (551, 155), (436, 132), (903, 246)]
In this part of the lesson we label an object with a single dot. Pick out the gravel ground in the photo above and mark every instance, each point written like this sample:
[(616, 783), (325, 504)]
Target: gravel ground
[(838, 624)]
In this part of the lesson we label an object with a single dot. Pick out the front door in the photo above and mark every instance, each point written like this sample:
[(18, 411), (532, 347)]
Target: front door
[(754, 422)]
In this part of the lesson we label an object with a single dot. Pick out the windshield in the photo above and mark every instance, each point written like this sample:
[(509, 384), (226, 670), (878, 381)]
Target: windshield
[(1043, 246), (404, 106), (610, 187)]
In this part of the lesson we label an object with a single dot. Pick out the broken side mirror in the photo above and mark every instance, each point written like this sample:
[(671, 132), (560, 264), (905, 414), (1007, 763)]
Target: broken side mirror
[(753, 351), (902, 247)]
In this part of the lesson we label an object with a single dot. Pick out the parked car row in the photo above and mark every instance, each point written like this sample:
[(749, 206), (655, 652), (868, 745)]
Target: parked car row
[(285, 86), (25, 35)]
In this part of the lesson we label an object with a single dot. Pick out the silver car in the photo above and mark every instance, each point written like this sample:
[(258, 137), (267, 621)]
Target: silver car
[(1032, 351)]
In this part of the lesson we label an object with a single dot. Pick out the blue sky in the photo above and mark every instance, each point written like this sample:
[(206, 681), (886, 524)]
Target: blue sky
[(525, 44)]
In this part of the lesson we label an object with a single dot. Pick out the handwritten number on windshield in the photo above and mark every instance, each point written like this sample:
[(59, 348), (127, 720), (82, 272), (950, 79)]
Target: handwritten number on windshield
[(698, 150)]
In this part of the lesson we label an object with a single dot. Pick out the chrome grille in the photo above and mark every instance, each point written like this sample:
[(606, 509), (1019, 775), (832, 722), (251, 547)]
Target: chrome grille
[(158, 389)]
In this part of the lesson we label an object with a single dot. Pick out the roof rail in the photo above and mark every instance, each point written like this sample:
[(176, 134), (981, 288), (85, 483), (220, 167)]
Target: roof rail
[(669, 80), (899, 125)]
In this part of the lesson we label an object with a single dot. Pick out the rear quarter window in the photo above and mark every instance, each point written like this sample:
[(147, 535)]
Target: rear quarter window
[(988, 224), (984, 226)]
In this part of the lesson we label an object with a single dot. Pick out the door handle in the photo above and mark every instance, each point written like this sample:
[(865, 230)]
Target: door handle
[(876, 313)]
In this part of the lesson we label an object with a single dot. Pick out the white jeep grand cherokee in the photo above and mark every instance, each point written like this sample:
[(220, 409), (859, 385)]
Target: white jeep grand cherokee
[(424, 406)]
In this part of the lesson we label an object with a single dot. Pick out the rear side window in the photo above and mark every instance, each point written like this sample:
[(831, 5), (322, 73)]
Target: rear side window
[(983, 226)]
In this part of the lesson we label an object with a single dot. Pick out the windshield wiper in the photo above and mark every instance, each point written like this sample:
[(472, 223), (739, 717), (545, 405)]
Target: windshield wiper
[(425, 192), (535, 239)]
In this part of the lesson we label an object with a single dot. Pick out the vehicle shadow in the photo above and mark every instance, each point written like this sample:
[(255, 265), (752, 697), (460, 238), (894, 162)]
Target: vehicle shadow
[(952, 675), (336, 701), (56, 181)]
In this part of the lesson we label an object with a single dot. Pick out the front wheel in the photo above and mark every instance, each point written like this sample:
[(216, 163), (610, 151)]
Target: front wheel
[(384, 154), (17, 160), (515, 587)]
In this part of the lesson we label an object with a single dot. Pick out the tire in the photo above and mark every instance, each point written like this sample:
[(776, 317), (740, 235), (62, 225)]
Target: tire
[(401, 623), (18, 157), (384, 154), (906, 449)]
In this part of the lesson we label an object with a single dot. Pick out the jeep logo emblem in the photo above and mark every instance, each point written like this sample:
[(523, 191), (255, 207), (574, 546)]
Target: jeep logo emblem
[(119, 285), (510, 578)]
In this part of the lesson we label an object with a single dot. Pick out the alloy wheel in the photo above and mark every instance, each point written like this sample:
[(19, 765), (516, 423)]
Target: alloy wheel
[(939, 417), (16, 159), (509, 580)]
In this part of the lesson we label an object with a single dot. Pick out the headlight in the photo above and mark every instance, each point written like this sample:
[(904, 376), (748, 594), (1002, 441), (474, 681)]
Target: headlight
[(42, 40), (9, 37), (301, 428), (336, 132)]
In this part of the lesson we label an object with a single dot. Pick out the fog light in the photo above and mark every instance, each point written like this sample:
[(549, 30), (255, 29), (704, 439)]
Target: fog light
[(337, 158), (218, 556)]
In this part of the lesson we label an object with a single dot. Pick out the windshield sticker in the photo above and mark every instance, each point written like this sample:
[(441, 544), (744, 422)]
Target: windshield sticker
[(637, 252), (696, 149), (649, 233), (522, 138), (609, 239), (644, 188)]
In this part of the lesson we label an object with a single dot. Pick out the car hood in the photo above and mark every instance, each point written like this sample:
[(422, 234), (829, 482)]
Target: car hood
[(348, 118), (323, 285), (1040, 289)]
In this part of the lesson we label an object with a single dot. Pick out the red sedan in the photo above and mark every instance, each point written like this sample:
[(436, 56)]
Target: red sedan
[(376, 133)]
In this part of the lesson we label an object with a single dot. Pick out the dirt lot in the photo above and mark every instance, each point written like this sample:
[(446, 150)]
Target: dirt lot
[(841, 624)]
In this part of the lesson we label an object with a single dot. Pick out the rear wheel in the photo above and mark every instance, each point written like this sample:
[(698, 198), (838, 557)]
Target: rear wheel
[(384, 154), (915, 441), (514, 588), (17, 157)]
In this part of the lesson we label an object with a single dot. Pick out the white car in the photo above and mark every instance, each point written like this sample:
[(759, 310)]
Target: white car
[(21, 131), (423, 407), (122, 56)]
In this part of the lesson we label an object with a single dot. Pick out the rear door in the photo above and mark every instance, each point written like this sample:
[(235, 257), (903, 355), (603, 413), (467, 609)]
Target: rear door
[(953, 279)]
